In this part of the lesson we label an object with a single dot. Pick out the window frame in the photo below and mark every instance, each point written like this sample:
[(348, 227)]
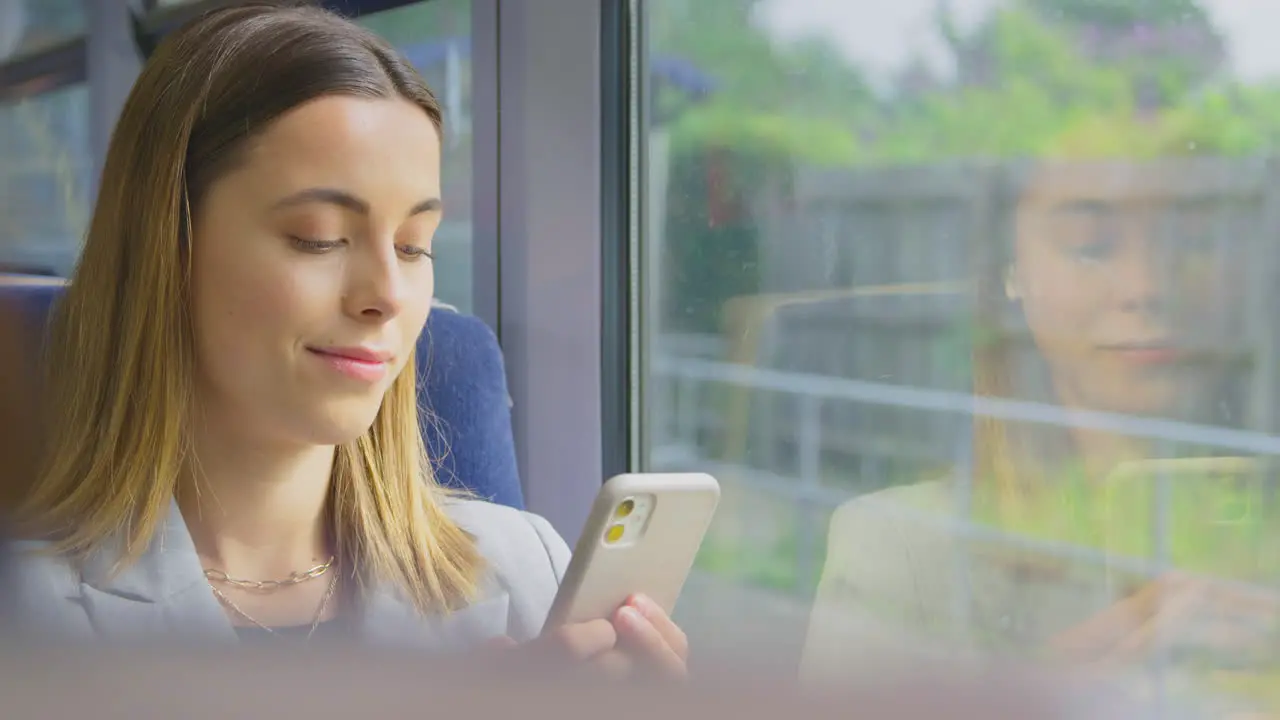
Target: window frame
[(553, 227)]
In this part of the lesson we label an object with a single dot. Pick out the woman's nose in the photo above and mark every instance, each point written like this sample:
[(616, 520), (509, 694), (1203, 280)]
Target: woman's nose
[(376, 286)]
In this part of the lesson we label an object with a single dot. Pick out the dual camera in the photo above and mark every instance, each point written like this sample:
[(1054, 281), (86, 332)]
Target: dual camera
[(628, 520)]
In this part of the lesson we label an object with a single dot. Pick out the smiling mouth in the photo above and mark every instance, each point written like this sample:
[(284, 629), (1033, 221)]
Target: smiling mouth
[(360, 365), (1155, 353)]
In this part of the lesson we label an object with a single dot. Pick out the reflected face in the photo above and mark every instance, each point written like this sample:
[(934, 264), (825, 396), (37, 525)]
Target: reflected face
[(1125, 306), (312, 277)]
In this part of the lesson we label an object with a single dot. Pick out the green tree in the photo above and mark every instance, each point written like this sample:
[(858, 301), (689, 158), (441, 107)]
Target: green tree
[(774, 104), (1020, 84), (800, 98), (1124, 13), (1168, 48)]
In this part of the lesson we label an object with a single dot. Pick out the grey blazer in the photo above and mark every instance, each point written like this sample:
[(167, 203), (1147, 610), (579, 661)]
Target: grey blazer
[(165, 595)]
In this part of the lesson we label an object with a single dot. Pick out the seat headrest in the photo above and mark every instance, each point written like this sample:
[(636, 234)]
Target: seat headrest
[(462, 387)]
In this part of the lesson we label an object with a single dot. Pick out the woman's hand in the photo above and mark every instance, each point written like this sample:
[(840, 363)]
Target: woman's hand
[(1124, 632), (638, 641), (1229, 629), (1173, 611), (649, 643)]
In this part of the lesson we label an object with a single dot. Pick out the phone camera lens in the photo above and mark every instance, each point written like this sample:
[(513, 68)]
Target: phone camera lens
[(625, 507), (614, 534)]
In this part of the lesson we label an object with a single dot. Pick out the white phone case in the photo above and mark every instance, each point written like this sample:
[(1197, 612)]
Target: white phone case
[(654, 559)]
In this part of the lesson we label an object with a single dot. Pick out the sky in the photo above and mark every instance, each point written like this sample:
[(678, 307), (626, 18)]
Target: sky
[(881, 34)]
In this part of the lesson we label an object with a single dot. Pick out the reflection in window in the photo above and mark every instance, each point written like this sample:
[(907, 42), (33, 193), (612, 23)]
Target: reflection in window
[(985, 289), (31, 25), (45, 169), (436, 37)]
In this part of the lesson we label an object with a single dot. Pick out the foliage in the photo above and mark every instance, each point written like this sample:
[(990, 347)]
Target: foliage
[(1036, 78), (1167, 46), (1042, 97), (801, 99), (715, 259), (780, 134), (1124, 13)]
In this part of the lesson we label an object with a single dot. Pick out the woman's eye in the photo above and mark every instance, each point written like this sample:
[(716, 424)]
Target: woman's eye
[(413, 252), (1094, 251), (314, 246)]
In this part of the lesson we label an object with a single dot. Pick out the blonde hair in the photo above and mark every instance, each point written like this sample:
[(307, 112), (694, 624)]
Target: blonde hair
[(1013, 462), (121, 352)]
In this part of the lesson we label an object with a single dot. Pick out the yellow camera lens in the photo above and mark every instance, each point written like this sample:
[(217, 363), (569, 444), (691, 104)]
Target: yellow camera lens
[(625, 507), (614, 534)]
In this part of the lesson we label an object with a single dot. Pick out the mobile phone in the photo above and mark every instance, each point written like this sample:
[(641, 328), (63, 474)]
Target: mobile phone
[(1219, 515), (1220, 524), (642, 536)]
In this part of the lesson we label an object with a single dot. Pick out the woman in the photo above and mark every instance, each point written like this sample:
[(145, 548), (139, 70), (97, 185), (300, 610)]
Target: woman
[(1090, 307), (233, 445)]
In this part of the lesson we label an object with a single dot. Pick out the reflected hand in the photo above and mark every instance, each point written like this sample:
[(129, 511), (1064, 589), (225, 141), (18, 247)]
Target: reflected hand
[(1173, 611)]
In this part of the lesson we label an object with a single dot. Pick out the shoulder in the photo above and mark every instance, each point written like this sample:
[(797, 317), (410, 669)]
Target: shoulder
[(43, 590), (899, 506), (516, 540), (31, 563), (884, 593), (524, 556), (893, 536)]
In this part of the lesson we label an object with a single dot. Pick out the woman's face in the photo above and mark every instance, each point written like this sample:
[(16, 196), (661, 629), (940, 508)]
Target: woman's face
[(1126, 306), (311, 274)]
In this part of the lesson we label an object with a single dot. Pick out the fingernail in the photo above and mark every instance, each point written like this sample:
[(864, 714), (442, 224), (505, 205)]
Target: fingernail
[(631, 616), (644, 604)]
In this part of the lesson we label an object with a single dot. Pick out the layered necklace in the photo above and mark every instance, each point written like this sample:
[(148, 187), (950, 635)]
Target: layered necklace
[(218, 577)]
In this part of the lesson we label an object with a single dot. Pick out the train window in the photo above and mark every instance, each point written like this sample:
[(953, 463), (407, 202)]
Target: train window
[(970, 307), (44, 180), (436, 37), (28, 26)]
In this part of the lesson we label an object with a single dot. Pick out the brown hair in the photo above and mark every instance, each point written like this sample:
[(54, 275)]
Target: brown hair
[(121, 356)]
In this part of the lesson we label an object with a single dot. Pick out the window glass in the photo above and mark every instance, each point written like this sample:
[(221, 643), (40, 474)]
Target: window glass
[(45, 171), (970, 308), (31, 25), (436, 37)]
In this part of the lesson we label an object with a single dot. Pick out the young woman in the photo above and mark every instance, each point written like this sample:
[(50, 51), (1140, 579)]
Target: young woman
[(233, 449), (1096, 302)]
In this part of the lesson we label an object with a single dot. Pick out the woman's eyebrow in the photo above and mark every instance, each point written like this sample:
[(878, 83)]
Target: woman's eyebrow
[(346, 200)]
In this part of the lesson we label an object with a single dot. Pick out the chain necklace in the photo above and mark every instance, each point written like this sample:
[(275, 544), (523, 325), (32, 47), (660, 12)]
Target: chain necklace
[(269, 585), (315, 623)]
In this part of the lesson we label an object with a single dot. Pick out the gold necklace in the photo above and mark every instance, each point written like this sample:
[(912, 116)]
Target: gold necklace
[(315, 622), (268, 585)]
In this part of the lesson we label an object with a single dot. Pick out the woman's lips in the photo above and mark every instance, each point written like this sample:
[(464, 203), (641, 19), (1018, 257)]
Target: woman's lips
[(364, 366), (1152, 354)]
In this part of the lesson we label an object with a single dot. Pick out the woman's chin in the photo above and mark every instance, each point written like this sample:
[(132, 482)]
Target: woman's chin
[(340, 427)]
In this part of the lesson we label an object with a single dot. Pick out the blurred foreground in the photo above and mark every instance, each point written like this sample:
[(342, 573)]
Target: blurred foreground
[(154, 684)]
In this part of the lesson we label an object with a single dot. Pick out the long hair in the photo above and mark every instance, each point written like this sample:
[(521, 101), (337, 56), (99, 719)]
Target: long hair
[(121, 355), (1010, 459)]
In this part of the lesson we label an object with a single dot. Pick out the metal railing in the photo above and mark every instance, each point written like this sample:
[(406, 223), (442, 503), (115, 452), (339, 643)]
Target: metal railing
[(807, 491)]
